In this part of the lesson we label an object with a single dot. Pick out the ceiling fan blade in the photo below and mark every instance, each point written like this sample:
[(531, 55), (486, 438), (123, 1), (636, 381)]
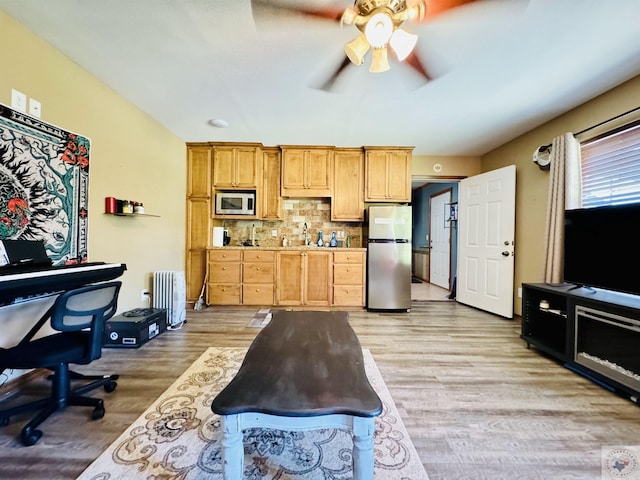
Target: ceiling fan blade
[(330, 12), (437, 7), (414, 61), (327, 85)]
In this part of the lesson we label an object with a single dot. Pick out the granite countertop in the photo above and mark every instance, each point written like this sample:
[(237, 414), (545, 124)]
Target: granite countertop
[(294, 247)]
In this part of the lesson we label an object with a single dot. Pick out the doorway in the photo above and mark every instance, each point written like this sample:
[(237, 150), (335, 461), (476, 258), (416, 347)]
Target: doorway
[(421, 243), (485, 277)]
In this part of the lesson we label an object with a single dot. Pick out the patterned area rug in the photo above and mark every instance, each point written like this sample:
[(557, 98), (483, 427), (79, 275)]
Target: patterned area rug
[(178, 437)]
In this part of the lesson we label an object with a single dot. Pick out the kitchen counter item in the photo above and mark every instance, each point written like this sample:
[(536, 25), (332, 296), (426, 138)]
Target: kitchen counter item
[(218, 236)]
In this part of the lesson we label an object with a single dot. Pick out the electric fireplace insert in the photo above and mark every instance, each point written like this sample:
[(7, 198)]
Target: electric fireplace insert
[(609, 344)]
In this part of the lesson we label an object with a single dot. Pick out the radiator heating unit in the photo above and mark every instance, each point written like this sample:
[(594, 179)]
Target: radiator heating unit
[(170, 293)]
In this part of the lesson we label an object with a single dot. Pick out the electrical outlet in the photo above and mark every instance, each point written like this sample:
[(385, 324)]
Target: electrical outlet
[(18, 101), (519, 292), (144, 294), (274, 233)]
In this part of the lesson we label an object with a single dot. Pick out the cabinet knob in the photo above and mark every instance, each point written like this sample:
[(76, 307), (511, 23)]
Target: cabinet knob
[(257, 290), (224, 268)]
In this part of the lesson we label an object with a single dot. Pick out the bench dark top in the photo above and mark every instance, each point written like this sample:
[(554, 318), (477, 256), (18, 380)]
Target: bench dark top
[(302, 364)]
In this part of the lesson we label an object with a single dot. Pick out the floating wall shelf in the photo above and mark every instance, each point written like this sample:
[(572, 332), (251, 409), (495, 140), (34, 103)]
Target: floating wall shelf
[(132, 214)]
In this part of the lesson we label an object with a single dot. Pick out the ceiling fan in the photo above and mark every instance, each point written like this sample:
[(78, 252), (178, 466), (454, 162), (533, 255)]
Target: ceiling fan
[(378, 23)]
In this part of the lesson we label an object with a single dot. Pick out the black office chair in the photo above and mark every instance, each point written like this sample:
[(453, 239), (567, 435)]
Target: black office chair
[(79, 315)]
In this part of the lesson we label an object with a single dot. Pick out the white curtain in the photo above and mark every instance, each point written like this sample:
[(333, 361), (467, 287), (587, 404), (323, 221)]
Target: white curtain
[(564, 194)]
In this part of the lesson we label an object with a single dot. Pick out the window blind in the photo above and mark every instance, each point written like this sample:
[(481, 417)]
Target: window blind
[(611, 168)]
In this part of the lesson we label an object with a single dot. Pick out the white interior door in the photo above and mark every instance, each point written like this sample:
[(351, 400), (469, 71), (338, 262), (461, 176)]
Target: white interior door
[(439, 241), (486, 231)]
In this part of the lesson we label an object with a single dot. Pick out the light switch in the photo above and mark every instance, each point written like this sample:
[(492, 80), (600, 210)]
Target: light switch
[(35, 108)]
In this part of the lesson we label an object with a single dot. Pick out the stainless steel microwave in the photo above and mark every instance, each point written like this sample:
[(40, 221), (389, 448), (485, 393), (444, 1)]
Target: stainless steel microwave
[(236, 203)]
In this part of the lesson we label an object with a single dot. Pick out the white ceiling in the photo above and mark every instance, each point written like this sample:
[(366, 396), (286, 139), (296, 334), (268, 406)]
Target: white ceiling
[(502, 67)]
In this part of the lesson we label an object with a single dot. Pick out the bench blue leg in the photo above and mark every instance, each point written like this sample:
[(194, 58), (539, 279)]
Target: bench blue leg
[(232, 448), (363, 428)]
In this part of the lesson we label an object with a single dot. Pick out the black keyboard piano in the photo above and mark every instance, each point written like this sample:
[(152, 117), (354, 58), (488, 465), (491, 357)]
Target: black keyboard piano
[(25, 282)]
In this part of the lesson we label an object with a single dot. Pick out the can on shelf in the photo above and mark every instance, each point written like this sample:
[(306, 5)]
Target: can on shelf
[(110, 205)]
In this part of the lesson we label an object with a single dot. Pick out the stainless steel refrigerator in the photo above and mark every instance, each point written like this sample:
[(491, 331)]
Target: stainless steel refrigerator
[(389, 258)]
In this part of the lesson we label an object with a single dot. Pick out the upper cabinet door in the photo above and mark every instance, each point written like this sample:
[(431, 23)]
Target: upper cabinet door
[(247, 165), (199, 171), (388, 174), (271, 199), (318, 170), (347, 203), (236, 166), (306, 171)]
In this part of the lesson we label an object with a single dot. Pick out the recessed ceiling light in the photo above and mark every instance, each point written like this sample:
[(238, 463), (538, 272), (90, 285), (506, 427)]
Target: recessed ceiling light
[(217, 122)]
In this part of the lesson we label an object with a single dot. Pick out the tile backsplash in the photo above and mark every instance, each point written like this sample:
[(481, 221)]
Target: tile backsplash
[(315, 212)]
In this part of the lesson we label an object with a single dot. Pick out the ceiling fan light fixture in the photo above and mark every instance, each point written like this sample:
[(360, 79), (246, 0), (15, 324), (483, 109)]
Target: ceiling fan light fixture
[(379, 29), (357, 49), (379, 61), (403, 43)]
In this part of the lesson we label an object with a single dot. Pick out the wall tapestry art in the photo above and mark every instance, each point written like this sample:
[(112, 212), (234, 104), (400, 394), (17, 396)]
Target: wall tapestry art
[(44, 181)]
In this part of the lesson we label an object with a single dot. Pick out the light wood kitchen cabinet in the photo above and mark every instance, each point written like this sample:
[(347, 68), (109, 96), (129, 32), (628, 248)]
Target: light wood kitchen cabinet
[(347, 202), (306, 171), (349, 278), (290, 267), (388, 174), (198, 225), (236, 166), (199, 171), (287, 277), (198, 231), (225, 277), (258, 277), (304, 277), (271, 204)]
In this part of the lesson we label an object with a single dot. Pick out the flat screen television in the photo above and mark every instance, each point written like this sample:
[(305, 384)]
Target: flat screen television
[(602, 248)]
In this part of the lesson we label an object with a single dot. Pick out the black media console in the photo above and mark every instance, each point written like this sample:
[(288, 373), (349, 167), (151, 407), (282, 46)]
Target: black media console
[(593, 332)]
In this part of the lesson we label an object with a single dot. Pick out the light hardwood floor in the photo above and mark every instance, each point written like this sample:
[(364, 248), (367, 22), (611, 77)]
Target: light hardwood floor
[(425, 291), (477, 403)]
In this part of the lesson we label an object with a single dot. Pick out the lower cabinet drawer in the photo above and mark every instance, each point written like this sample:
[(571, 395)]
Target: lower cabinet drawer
[(257, 294), (345, 274), (224, 272), (223, 294), (348, 295), (258, 272)]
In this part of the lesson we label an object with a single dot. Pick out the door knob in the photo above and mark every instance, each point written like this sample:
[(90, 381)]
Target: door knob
[(505, 254)]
